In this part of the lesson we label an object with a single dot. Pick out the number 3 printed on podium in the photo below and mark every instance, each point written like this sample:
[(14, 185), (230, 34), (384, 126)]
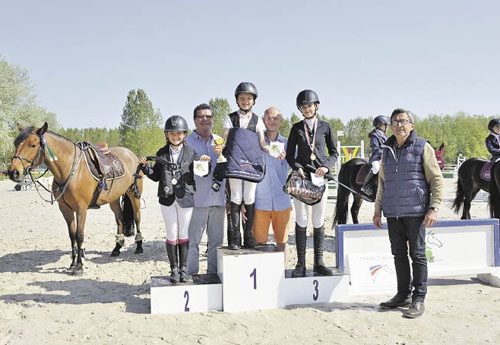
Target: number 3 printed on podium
[(316, 290)]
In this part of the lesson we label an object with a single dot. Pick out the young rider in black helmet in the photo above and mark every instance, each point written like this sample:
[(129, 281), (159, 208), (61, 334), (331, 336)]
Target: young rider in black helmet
[(492, 141), (175, 192), (377, 138), (241, 190), (310, 143)]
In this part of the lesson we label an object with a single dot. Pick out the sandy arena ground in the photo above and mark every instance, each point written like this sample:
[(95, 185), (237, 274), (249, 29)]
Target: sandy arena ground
[(110, 303)]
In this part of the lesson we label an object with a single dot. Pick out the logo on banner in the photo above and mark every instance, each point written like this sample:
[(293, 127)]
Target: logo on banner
[(376, 269)]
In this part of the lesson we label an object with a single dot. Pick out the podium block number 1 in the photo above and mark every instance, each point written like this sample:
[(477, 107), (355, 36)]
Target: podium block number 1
[(254, 275)]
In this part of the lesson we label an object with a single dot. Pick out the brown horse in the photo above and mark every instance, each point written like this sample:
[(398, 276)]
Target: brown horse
[(75, 186)]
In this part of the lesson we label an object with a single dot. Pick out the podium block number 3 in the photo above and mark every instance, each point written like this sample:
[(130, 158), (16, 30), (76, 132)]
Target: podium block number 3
[(316, 290), (254, 275)]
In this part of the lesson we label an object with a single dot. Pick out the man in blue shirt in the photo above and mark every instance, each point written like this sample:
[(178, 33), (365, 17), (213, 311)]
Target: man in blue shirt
[(209, 199), (272, 205)]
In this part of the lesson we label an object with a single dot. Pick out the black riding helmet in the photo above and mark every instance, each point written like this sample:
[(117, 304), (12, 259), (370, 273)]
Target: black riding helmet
[(493, 123), (176, 123), (380, 120), (246, 87), (306, 97)]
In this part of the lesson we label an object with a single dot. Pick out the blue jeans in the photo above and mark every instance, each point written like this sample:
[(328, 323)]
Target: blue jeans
[(403, 233)]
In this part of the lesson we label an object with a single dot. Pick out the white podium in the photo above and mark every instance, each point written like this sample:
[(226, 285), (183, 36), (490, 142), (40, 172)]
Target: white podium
[(203, 294), (251, 278), (247, 279), (316, 289)]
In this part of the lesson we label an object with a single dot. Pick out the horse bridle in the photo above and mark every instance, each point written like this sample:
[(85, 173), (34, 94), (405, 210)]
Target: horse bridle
[(41, 152)]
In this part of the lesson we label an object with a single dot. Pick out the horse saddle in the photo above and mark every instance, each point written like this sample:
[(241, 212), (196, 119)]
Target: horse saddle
[(362, 172), (485, 172), (102, 164)]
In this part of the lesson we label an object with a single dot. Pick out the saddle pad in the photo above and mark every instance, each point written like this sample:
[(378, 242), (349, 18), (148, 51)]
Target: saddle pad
[(106, 167), (362, 172), (485, 173)]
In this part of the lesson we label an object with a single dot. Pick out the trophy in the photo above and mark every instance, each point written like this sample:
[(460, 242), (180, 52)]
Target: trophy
[(221, 158)]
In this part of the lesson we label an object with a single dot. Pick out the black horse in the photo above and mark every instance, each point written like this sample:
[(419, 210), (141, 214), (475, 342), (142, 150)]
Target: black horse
[(349, 183), (495, 191), (469, 183)]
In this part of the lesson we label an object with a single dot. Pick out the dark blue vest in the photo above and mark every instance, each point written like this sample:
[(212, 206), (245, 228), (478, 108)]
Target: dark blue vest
[(406, 191)]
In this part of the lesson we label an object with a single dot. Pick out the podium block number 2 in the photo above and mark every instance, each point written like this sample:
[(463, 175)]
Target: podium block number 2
[(254, 275), (316, 290), (186, 296)]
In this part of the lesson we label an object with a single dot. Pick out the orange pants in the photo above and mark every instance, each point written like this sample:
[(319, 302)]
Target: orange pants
[(279, 220)]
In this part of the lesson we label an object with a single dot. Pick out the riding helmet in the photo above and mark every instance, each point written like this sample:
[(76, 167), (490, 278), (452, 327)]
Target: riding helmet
[(493, 123), (307, 97), (246, 87), (380, 120), (176, 123)]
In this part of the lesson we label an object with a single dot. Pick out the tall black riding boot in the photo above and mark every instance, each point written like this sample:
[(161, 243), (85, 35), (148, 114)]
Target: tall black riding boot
[(248, 240), (235, 220), (183, 256), (174, 262), (300, 243), (230, 231), (319, 266), (367, 185)]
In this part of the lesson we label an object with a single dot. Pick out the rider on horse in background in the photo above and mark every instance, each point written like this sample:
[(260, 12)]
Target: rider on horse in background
[(377, 138), (492, 141)]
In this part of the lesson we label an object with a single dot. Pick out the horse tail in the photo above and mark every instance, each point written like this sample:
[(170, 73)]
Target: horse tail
[(494, 194), (128, 216), (459, 199)]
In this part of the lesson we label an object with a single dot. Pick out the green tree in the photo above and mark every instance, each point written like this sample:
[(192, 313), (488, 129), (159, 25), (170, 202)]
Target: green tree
[(140, 128), (220, 109), (356, 131), (18, 104), (461, 133)]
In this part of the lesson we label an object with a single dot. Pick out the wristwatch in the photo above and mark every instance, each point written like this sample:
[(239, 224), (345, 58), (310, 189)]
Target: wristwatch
[(435, 209)]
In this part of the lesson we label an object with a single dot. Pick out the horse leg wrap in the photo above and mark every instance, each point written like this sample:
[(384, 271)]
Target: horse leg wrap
[(120, 239), (138, 237)]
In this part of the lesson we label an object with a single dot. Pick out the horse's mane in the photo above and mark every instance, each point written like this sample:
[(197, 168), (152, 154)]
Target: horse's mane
[(25, 132)]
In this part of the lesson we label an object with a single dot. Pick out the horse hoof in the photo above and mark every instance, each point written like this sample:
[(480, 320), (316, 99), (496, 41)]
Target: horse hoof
[(77, 272), (115, 253), (139, 251)]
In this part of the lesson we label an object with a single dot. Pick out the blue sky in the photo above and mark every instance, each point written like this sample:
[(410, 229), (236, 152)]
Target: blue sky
[(363, 58)]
